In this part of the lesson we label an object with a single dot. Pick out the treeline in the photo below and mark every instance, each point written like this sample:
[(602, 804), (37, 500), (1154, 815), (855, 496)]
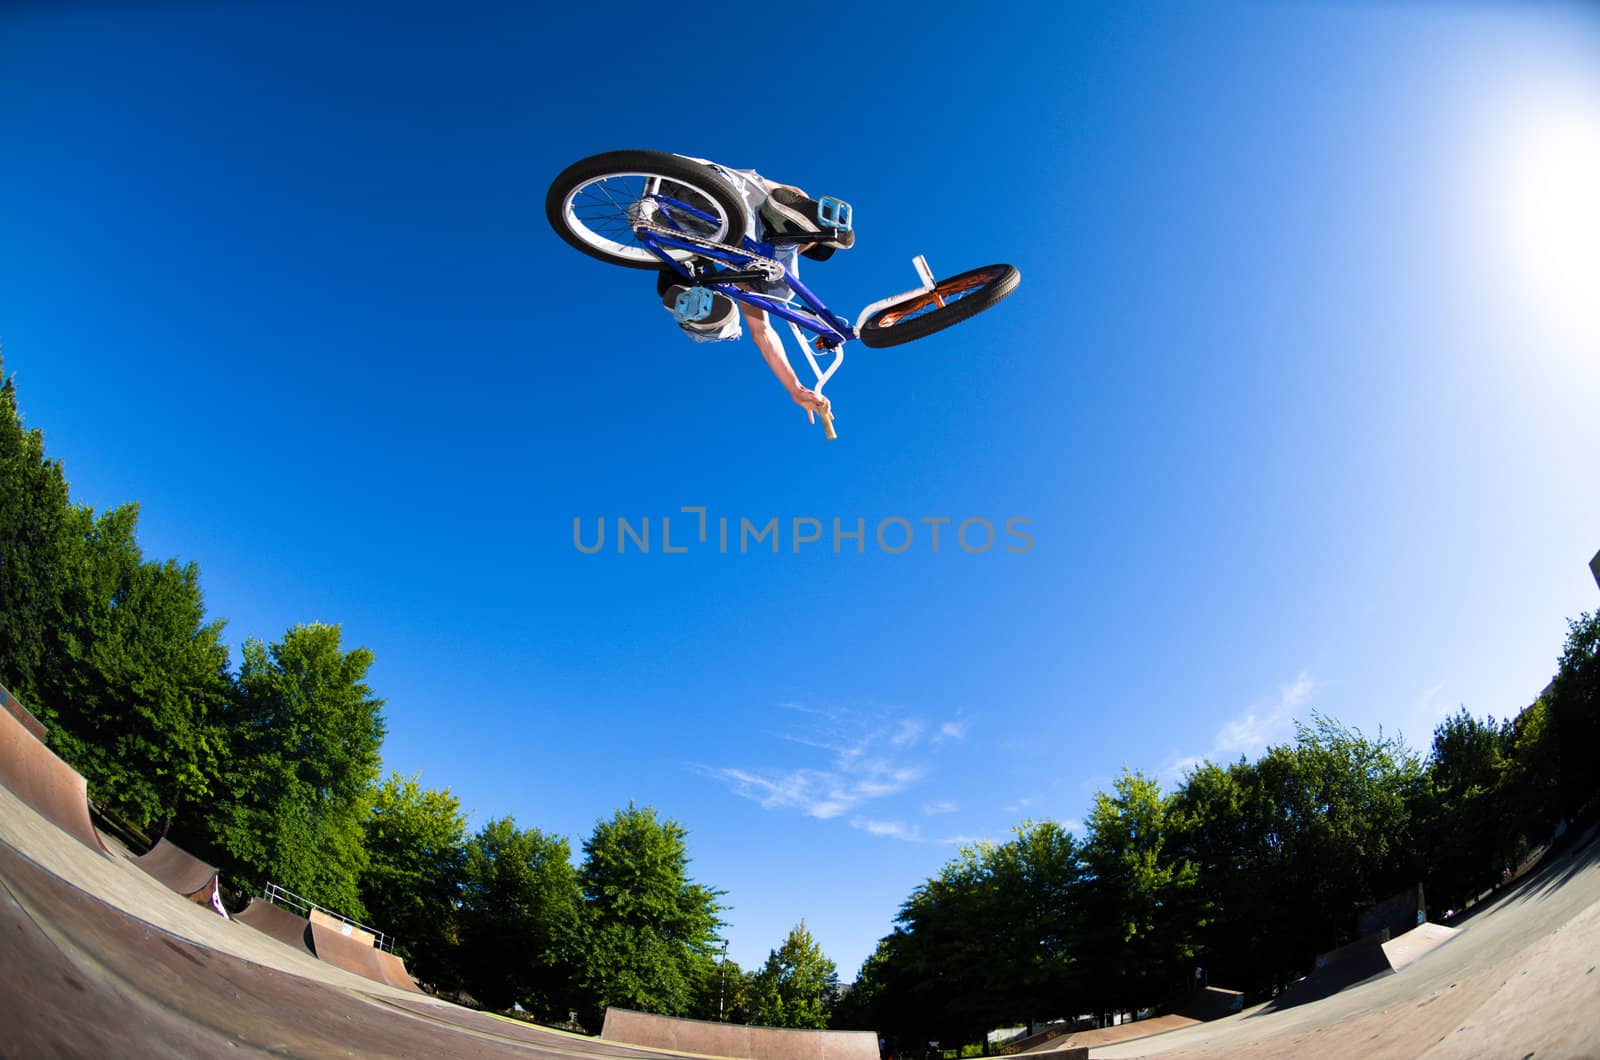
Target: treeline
[(272, 772), (1245, 871)]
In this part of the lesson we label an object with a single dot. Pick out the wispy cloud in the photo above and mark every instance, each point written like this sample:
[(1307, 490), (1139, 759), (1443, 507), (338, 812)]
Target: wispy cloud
[(865, 758), (1250, 731), (942, 806), (908, 833)]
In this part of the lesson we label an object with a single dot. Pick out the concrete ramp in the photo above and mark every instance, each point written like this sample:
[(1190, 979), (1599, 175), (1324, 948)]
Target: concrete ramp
[(37, 777), (1338, 969), (286, 927), (181, 871), (394, 971), (1424, 938), (350, 948), (14, 706), (730, 1039)]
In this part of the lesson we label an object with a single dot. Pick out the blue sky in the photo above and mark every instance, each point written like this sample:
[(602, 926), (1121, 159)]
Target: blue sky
[(1297, 396)]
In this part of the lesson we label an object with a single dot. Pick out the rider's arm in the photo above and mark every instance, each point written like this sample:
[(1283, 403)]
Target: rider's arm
[(771, 347)]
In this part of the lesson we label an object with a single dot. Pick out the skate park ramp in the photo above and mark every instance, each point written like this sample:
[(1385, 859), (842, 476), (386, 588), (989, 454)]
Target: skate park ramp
[(288, 928), (353, 950), (89, 980), (1518, 977), (730, 1039), (36, 776), (1353, 963), (14, 707), (180, 870)]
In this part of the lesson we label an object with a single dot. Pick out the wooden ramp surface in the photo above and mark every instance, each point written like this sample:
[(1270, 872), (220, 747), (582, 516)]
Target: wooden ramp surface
[(731, 1039), (288, 928), (37, 777), (180, 870), (352, 949)]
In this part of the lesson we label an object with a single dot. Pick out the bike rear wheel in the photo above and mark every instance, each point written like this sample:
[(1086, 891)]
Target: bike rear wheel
[(950, 302), (595, 203)]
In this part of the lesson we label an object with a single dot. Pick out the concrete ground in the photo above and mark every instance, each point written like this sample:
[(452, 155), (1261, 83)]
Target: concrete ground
[(1518, 980)]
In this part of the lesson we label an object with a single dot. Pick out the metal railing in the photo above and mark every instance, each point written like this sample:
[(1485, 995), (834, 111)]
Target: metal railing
[(281, 896)]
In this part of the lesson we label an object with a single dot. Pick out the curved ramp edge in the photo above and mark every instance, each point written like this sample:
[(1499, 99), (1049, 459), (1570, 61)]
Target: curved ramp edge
[(350, 952), (180, 870), (729, 1039), (286, 927), (43, 781)]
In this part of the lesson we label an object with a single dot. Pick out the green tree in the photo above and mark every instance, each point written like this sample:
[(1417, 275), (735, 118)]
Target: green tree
[(992, 939), (298, 778), (1465, 811), (796, 987), (416, 842), (864, 1006), (1138, 898), (38, 542), (1573, 708), (520, 909), (647, 928), (722, 991), (135, 676)]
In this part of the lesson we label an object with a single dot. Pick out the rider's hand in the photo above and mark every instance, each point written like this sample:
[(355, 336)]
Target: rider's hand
[(810, 400)]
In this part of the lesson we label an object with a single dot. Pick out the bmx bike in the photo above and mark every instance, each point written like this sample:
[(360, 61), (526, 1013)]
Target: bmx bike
[(659, 211)]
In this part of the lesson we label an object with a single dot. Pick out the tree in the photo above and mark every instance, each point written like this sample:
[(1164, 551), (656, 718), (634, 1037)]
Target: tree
[(647, 928), (37, 544), (416, 847), (135, 676), (519, 920), (722, 991), (796, 987), (1465, 811), (1139, 927), (305, 732), (114, 654), (992, 939), (1573, 706)]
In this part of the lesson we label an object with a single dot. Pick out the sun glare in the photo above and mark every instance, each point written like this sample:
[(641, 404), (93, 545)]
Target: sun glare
[(1548, 202)]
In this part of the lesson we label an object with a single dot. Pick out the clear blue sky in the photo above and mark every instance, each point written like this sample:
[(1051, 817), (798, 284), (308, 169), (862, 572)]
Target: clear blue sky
[(1299, 391)]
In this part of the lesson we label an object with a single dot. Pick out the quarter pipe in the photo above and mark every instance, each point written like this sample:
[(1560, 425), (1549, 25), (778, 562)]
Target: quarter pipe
[(40, 779), (181, 871), (355, 952)]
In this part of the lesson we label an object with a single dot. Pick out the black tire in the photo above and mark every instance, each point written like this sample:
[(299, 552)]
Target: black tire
[(588, 204), (965, 294)]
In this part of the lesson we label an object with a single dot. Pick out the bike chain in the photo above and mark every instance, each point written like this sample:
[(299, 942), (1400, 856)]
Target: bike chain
[(771, 266)]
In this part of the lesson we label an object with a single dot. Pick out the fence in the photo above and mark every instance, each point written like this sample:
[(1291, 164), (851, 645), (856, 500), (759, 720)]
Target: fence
[(303, 906)]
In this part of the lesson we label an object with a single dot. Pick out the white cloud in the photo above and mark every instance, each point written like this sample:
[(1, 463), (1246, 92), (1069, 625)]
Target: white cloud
[(942, 806), (1250, 731), (868, 758), (910, 833)]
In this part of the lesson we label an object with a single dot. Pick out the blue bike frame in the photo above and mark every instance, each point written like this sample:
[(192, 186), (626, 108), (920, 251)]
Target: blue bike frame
[(812, 315)]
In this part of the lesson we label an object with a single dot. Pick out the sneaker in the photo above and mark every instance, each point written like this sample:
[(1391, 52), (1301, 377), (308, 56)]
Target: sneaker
[(723, 311), (786, 213)]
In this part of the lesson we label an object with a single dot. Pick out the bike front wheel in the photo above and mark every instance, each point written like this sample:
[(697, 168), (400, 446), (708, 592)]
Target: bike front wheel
[(595, 204), (950, 302)]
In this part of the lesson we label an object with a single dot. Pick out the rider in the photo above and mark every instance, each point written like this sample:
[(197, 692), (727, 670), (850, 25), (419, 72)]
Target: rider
[(780, 208)]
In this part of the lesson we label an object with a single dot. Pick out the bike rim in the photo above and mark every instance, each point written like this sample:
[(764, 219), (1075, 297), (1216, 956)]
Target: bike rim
[(944, 294), (599, 213)]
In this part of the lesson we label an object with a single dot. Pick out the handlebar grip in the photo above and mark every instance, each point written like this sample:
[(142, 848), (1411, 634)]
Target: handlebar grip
[(827, 427)]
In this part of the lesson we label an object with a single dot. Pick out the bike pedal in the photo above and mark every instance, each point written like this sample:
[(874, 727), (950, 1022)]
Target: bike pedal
[(833, 213), (692, 306)]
